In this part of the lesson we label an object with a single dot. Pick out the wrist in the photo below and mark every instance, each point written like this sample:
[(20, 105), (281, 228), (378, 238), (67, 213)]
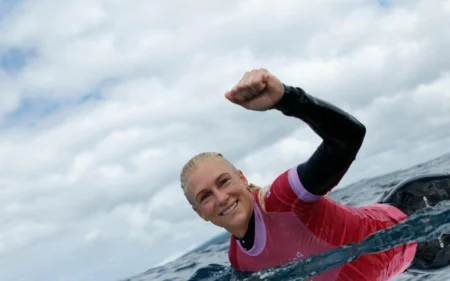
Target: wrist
[(291, 99)]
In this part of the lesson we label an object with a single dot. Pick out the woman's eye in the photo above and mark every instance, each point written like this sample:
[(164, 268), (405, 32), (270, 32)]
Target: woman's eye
[(224, 181), (203, 197)]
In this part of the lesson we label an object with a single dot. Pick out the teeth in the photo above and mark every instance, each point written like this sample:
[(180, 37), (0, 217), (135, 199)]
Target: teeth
[(230, 209)]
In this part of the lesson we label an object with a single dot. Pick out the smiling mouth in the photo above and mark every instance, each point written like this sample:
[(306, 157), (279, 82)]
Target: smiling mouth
[(229, 210)]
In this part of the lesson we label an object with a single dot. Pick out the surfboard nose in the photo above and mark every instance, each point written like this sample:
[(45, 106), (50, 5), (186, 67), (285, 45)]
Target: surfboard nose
[(418, 192), (415, 194)]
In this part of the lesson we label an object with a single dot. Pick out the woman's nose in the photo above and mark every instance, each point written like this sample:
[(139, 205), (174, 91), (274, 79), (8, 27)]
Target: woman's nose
[(222, 197)]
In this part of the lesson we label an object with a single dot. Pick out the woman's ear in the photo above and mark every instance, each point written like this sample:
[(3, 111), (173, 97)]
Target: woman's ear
[(242, 177)]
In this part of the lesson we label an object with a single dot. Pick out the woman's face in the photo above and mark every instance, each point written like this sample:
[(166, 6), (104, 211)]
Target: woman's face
[(219, 194)]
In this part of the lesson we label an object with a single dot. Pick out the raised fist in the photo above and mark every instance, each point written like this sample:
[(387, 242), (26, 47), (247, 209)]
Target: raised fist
[(258, 90)]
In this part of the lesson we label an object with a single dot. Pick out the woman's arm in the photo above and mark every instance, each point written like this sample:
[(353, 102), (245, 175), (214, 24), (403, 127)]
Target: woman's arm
[(341, 133)]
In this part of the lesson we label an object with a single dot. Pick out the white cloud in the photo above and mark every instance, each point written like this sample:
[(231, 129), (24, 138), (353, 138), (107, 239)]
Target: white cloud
[(92, 235), (2, 246), (94, 181)]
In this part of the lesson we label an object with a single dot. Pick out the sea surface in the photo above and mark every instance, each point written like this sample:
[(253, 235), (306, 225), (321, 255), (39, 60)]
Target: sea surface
[(210, 261)]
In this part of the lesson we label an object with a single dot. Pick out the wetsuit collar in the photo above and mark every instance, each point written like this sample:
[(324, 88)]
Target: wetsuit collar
[(255, 234), (248, 240)]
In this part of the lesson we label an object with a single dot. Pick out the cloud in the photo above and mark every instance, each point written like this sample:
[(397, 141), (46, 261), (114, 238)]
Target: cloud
[(104, 101)]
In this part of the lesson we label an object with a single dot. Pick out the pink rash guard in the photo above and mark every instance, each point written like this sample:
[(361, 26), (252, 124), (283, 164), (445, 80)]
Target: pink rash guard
[(297, 224)]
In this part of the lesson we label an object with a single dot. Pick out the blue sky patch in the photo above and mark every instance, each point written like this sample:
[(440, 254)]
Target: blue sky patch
[(96, 93), (33, 109), (91, 97), (384, 3), (6, 6), (14, 60), (30, 111)]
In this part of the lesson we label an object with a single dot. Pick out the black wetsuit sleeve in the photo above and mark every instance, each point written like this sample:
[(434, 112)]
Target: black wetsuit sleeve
[(341, 133)]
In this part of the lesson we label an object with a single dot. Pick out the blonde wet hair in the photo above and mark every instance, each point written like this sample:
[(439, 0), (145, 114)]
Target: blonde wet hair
[(195, 161)]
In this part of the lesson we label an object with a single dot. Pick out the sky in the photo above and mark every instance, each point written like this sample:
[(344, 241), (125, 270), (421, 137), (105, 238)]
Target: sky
[(103, 102)]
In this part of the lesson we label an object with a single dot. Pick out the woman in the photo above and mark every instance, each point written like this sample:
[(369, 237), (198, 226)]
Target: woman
[(292, 219)]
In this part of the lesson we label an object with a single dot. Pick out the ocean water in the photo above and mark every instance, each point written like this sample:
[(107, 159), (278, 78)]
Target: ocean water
[(210, 261)]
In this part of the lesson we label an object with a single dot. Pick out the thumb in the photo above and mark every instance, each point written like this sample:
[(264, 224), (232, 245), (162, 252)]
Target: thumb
[(229, 96)]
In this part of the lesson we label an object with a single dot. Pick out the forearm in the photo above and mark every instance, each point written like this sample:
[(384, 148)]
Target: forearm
[(342, 137), (337, 128)]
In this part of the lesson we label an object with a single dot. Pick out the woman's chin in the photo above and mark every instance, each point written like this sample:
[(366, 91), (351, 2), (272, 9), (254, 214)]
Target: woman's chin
[(238, 225)]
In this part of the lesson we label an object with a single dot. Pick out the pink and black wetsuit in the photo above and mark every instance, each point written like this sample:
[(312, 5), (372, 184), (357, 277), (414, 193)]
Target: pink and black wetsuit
[(299, 221)]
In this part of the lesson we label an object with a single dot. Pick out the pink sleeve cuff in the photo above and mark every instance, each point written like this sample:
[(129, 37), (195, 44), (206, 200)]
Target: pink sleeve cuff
[(298, 188)]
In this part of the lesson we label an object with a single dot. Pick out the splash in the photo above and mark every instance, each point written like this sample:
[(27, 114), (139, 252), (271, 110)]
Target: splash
[(425, 225)]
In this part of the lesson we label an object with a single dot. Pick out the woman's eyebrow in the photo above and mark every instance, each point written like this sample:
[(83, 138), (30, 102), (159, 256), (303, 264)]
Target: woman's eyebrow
[(205, 189)]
